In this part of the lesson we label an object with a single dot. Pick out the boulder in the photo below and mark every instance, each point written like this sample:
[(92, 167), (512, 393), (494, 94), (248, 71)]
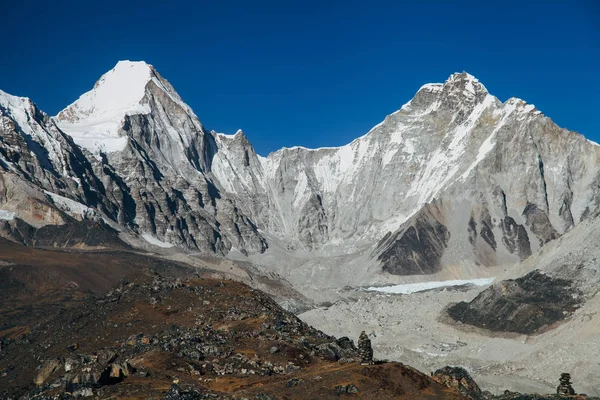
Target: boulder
[(459, 379)]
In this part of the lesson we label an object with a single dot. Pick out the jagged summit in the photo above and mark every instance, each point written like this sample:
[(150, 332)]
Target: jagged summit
[(467, 83), (130, 88), (454, 151), (462, 76), (7, 99), (94, 119), (119, 90)]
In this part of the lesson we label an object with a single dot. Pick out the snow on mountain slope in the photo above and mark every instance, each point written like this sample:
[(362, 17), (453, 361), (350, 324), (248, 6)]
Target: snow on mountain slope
[(22, 112), (95, 118), (118, 91), (454, 176), (154, 182)]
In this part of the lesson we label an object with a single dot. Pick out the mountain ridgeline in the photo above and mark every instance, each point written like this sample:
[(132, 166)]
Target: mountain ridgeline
[(455, 175)]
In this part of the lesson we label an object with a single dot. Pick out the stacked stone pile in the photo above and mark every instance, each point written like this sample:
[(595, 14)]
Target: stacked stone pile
[(365, 351), (565, 385)]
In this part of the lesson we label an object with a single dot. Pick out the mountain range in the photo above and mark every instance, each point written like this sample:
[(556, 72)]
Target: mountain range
[(454, 176), (455, 185)]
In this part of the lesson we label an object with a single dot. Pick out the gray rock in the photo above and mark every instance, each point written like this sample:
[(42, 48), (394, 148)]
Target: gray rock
[(454, 176)]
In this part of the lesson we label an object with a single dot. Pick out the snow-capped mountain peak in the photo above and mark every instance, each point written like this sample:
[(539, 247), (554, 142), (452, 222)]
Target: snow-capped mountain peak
[(454, 168), (94, 120), (465, 86), (7, 100), (118, 91)]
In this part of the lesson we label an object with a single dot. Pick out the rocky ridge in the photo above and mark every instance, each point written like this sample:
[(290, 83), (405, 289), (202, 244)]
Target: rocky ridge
[(166, 338)]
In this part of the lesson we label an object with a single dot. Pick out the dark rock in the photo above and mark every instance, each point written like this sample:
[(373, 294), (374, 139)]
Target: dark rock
[(106, 356), (459, 379), (523, 305), (328, 352), (418, 249), (539, 223), (177, 393), (345, 343), (115, 373), (293, 382), (565, 385), (515, 238), (45, 371), (347, 389), (262, 396)]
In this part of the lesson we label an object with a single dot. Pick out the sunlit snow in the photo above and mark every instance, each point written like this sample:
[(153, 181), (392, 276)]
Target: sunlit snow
[(7, 215), (68, 205), (95, 118), (421, 286)]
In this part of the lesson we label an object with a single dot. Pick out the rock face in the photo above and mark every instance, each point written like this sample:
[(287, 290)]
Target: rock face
[(134, 153), (454, 176), (459, 379), (523, 305)]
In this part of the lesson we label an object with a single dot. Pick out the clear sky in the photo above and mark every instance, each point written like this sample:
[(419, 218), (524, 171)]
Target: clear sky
[(310, 73)]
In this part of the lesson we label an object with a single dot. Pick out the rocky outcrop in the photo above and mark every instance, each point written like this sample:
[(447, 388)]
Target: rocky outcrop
[(72, 234), (45, 371), (417, 249), (524, 305), (459, 379), (158, 337)]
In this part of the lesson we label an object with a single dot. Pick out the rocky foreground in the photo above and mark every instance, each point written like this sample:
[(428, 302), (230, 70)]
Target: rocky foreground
[(158, 336), (166, 331)]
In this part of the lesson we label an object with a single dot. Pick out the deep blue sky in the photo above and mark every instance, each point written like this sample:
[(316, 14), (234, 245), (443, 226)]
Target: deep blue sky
[(311, 73)]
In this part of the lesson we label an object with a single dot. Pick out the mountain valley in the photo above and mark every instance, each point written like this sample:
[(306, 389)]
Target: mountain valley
[(127, 185)]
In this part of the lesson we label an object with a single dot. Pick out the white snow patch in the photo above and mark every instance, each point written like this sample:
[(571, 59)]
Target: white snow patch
[(388, 156), (68, 205), (528, 108), (97, 136), (94, 120), (489, 143), (592, 142), (152, 240), (6, 215), (228, 136), (469, 87), (419, 287), (443, 164), (433, 87), (117, 91), (301, 192)]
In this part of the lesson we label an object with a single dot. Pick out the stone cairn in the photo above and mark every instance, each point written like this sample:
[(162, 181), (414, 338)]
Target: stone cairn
[(365, 351), (565, 385)]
